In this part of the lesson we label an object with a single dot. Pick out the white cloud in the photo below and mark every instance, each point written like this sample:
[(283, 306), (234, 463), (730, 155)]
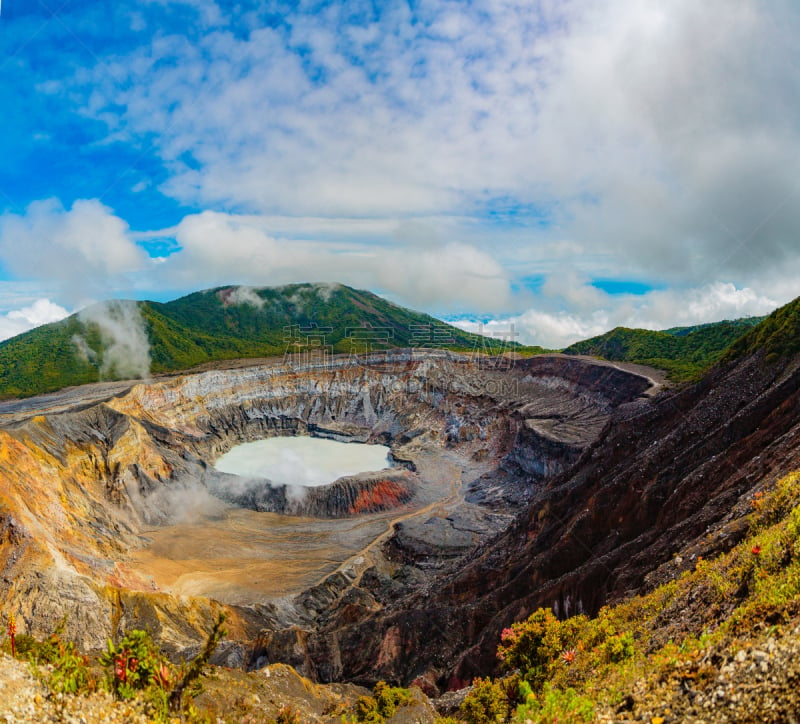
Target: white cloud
[(221, 248), (413, 153), (86, 249), (17, 321), (553, 327), (660, 137), (678, 119)]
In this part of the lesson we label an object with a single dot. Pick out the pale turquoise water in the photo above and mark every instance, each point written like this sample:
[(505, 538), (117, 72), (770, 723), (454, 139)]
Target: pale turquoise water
[(308, 461)]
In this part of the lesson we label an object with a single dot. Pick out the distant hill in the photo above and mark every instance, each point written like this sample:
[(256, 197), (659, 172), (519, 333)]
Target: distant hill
[(111, 340), (683, 352)]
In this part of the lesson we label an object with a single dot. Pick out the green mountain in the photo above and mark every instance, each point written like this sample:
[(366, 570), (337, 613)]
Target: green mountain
[(778, 335), (120, 340), (683, 352)]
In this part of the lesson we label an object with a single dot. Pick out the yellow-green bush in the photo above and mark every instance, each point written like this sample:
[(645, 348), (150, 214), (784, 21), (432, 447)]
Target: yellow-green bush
[(555, 705), (487, 703)]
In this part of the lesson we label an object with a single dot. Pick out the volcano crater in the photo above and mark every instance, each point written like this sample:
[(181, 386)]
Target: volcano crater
[(114, 515)]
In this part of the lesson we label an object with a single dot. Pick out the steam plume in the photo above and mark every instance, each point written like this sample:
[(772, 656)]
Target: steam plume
[(124, 347)]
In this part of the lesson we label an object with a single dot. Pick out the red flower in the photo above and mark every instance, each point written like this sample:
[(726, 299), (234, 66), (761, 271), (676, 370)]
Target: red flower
[(755, 550), (121, 666), (162, 676), (508, 635), (568, 656), (12, 633)]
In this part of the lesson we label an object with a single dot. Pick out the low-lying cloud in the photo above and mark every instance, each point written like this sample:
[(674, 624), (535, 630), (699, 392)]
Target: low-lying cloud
[(225, 247), (554, 325), (125, 352)]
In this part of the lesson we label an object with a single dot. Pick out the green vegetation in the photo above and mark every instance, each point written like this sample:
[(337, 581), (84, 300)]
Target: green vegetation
[(379, 707), (132, 670), (572, 669), (227, 323), (487, 703), (778, 335), (45, 359), (136, 668), (684, 352), (67, 670)]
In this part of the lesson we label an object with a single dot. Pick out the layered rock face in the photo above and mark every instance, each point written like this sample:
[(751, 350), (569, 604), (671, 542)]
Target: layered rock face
[(672, 476), (350, 495), (88, 478)]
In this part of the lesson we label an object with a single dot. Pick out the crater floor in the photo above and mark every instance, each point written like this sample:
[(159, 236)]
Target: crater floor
[(244, 557)]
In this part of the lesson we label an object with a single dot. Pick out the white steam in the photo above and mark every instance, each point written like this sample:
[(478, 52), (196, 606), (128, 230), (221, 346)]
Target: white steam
[(305, 461), (125, 348), (325, 290), (235, 296)]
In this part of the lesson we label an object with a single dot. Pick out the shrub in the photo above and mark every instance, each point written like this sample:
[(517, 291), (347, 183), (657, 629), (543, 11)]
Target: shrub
[(135, 664), (367, 710), (389, 698), (137, 668), (535, 646), (70, 673), (68, 670), (555, 705), (383, 704), (529, 646), (486, 703)]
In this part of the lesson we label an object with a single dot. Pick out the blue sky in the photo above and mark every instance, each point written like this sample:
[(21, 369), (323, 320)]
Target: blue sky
[(563, 167)]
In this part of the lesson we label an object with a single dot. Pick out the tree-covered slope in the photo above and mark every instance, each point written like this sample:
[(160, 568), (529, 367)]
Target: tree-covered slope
[(46, 358), (119, 340), (682, 351), (778, 335)]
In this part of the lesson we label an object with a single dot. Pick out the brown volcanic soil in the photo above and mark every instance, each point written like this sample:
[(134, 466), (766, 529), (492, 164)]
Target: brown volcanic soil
[(248, 556)]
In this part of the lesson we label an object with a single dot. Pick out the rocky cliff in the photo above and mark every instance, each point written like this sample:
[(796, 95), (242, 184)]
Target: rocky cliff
[(92, 479), (350, 495), (673, 476)]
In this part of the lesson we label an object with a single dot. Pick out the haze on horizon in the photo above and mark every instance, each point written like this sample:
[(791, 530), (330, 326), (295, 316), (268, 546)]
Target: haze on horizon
[(563, 166)]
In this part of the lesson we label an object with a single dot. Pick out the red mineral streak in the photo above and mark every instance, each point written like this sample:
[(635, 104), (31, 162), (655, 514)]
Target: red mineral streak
[(384, 495)]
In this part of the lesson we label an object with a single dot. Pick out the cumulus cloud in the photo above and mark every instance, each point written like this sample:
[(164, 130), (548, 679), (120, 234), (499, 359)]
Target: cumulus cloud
[(664, 135), (85, 248), (447, 152), (554, 326), (218, 247), (682, 136), (42, 311)]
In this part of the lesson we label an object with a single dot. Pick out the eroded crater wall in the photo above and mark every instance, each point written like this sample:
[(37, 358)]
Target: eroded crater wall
[(79, 486)]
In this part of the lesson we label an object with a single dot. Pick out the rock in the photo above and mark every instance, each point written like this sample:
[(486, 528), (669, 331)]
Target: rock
[(89, 473)]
